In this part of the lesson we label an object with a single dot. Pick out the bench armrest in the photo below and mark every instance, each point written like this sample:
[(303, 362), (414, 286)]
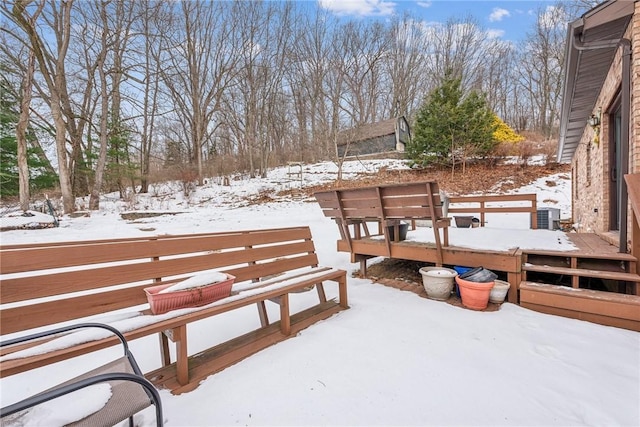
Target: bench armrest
[(56, 331)]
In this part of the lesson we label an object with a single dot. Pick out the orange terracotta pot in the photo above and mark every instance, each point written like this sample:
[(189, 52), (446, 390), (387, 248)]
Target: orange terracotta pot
[(475, 295)]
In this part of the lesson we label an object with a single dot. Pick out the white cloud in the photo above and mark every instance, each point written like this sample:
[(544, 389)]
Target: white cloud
[(359, 7), (498, 13), (494, 33), (424, 4)]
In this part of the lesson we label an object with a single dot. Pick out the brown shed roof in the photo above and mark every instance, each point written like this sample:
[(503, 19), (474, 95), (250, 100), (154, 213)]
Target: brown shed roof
[(592, 41)]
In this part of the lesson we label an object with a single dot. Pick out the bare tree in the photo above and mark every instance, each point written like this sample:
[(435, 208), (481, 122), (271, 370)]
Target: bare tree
[(51, 62), (154, 17), (308, 67), (264, 29), (541, 67), (403, 67), (200, 66), (364, 48), (457, 48)]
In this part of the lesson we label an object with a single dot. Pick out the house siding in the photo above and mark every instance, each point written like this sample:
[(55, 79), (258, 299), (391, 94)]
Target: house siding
[(363, 142), (591, 164), (380, 144)]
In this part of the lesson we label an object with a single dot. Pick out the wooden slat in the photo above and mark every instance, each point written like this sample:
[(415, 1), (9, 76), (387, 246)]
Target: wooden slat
[(530, 197), (589, 317), (583, 272), (366, 193), (411, 200), (598, 306), (586, 300), (297, 229), (488, 210), (410, 212), (25, 258), (46, 284), (582, 254)]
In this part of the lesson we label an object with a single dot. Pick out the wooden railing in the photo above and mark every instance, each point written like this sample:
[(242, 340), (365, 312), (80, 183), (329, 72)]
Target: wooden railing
[(482, 205), (386, 205)]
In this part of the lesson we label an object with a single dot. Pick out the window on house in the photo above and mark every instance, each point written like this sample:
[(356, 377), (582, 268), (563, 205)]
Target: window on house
[(403, 126)]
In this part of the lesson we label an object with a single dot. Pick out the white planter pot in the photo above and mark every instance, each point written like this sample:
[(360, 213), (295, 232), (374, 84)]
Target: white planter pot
[(438, 282), (499, 291)]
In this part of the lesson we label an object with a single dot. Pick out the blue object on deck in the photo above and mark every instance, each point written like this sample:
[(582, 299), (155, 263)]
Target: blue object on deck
[(462, 270)]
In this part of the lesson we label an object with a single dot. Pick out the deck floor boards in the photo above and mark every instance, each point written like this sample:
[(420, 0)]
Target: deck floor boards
[(591, 243)]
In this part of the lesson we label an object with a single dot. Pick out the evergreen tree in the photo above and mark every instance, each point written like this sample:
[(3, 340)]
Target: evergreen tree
[(450, 126), (40, 177)]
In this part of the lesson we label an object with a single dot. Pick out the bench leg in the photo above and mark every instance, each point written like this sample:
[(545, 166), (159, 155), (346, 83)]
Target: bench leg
[(342, 290), (285, 319), (182, 356), (165, 357), (321, 295), (262, 312)]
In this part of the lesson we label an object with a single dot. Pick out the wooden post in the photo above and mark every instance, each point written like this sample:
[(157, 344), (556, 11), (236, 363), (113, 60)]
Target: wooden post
[(342, 289), (165, 356), (179, 336), (285, 319)]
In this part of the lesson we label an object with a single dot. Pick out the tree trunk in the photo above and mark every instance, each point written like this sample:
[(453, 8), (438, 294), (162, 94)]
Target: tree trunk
[(94, 199), (21, 133)]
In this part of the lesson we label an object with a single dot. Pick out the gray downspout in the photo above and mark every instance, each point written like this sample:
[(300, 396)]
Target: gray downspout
[(625, 101)]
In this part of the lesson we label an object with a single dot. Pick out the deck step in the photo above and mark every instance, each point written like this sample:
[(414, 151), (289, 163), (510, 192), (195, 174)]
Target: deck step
[(606, 308), (583, 272), (614, 256)]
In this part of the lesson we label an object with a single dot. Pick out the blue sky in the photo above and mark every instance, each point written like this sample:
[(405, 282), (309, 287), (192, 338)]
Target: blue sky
[(509, 20)]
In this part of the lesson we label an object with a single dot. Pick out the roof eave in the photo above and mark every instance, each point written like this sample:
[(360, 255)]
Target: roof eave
[(577, 32)]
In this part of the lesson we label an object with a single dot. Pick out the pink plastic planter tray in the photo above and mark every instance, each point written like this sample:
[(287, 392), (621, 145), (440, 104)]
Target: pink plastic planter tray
[(193, 297)]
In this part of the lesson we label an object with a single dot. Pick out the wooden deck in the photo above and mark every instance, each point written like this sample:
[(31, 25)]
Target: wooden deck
[(591, 244), (595, 261)]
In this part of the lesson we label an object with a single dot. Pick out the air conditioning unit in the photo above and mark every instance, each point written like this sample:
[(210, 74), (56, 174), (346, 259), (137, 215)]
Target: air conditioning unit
[(549, 218)]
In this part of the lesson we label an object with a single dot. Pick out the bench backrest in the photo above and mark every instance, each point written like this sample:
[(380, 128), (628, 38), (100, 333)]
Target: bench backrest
[(416, 200), (44, 284)]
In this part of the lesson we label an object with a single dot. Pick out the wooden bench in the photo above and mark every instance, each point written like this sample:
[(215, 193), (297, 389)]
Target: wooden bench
[(386, 206), (68, 281)]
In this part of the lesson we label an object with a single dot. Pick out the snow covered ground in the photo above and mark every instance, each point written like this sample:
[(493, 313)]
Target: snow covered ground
[(392, 359)]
